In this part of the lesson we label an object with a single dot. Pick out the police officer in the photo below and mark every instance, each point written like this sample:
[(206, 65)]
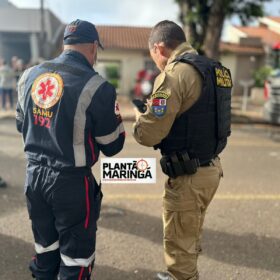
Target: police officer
[(188, 119), (67, 114)]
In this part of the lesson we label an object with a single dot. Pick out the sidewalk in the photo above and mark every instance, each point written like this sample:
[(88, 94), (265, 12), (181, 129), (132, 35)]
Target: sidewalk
[(253, 114), (126, 108), (9, 114)]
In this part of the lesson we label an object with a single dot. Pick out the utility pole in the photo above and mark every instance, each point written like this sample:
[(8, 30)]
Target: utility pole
[(43, 30)]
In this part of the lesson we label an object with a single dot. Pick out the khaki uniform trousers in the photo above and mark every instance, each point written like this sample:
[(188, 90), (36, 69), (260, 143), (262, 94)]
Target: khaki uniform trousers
[(185, 201)]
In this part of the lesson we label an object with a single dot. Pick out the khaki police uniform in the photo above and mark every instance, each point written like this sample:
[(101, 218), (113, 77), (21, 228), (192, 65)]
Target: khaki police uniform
[(187, 197)]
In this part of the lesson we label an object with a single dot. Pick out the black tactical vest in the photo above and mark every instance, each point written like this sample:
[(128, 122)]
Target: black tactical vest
[(202, 130)]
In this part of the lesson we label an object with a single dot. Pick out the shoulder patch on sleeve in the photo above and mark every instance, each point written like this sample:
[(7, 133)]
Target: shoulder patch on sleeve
[(161, 94), (159, 103)]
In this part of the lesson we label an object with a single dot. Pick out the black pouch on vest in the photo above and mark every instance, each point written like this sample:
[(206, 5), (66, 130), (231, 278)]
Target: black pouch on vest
[(178, 164)]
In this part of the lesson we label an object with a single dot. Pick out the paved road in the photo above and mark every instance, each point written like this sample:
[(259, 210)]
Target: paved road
[(241, 236)]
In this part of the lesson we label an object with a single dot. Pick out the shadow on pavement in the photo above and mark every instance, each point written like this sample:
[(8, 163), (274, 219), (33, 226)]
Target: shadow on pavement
[(247, 250), (131, 222), (15, 255), (13, 172), (110, 273)]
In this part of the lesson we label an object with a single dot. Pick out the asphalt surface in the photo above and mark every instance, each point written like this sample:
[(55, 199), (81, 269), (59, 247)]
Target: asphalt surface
[(241, 233)]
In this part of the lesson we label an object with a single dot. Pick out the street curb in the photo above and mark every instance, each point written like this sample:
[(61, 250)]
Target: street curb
[(235, 119), (243, 119), (7, 117)]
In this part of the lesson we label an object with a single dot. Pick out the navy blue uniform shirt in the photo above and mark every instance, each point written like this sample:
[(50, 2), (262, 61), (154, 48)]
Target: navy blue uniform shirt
[(68, 113)]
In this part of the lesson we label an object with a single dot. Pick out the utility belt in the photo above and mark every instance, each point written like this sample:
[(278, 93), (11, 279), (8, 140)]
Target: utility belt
[(179, 163)]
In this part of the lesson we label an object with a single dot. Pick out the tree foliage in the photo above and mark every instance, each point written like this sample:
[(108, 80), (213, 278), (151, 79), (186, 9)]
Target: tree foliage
[(261, 75), (203, 20)]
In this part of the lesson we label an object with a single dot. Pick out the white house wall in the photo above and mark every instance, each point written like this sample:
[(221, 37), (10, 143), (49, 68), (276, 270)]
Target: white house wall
[(233, 34), (131, 63), (242, 67), (230, 61)]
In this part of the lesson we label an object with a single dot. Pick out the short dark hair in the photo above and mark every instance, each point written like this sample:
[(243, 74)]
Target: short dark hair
[(168, 32)]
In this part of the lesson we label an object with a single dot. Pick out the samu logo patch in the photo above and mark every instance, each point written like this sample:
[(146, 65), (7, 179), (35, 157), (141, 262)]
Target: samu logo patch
[(47, 90)]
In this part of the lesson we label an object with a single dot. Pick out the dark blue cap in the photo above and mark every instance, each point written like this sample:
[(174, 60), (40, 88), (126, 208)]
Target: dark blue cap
[(80, 32)]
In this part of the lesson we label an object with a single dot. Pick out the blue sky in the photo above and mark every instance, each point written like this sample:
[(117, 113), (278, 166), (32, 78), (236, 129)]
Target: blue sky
[(120, 12)]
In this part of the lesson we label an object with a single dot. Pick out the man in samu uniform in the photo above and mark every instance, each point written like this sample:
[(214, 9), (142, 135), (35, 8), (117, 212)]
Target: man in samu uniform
[(67, 114), (188, 119)]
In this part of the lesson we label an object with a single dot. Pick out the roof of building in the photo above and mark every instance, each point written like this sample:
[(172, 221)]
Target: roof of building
[(136, 38), (267, 36), (114, 37), (124, 37), (240, 49), (274, 18)]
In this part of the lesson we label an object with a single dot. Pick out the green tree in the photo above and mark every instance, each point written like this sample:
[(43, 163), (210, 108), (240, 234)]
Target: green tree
[(203, 20), (261, 75)]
